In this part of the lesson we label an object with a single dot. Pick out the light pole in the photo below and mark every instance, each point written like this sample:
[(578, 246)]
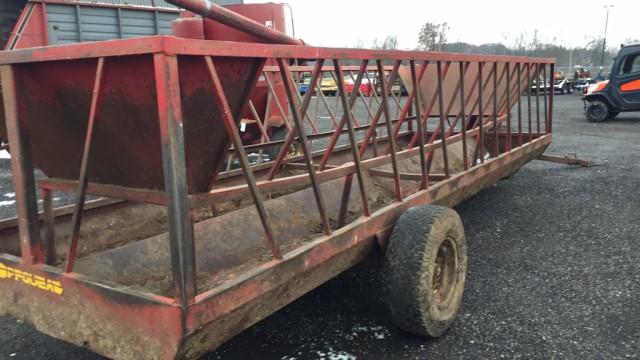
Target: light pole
[(604, 41)]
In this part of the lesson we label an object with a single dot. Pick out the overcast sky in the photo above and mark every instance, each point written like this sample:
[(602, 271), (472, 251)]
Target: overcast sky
[(570, 22)]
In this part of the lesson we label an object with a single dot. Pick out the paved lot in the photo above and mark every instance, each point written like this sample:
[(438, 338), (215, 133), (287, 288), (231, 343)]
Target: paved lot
[(554, 272)]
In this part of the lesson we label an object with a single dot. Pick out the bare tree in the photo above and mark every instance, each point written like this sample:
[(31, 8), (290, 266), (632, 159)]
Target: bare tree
[(389, 43), (629, 41), (432, 36)]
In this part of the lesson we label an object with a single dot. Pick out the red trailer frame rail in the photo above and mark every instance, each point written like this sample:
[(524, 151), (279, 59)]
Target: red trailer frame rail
[(230, 246)]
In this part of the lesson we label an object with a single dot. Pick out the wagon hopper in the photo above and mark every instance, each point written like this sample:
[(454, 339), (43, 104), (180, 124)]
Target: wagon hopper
[(190, 250)]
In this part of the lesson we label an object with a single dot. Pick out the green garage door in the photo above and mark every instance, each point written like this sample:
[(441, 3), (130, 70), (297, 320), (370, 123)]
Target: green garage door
[(84, 21)]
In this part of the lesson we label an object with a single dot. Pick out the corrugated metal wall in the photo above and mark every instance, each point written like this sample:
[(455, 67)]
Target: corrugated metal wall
[(160, 3), (82, 22), (79, 21), (76, 23)]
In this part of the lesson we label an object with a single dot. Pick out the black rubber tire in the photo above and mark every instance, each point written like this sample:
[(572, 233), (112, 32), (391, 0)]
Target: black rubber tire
[(563, 91), (597, 111), (424, 270)]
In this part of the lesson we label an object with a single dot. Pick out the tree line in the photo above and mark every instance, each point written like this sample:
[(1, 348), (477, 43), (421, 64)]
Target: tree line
[(433, 37)]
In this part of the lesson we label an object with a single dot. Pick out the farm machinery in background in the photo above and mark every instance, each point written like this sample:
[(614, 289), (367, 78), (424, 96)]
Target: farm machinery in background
[(561, 84)]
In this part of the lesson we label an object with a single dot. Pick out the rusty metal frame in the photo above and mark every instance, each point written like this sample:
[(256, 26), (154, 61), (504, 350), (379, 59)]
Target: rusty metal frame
[(22, 167), (188, 311), (298, 116), (174, 164), (81, 191)]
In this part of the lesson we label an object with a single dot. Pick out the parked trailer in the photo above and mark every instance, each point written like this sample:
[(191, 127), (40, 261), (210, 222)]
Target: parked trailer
[(181, 253)]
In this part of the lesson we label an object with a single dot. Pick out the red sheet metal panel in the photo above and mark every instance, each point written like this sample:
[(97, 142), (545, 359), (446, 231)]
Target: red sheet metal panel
[(55, 96), (270, 14)]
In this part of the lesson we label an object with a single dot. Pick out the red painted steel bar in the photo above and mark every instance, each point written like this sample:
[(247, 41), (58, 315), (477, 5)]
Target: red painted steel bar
[(298, 118), (348, 180), (529, 108), (31, 250), (462, 115), (332, 115), (508, 107), (480, 119), (264, 137), (111, 191), (443, 137), (410, 98), (550, 113), (538, 98), (496, 140), (455, 90), (274, 97), (352, 139), (504, 105), (432, 103), (193, 47), (81, 191), (392, 143), (452, 126), (232, 131), (439, 131), (346, 191), (234, 20), (170, 121), (345, 116), (467, 102), (355, 119), (331, 173), (374, 123), (363, 100), (519, 94), (415, 82), (49, 227), (492, 74), (305, 105), (544, 98)]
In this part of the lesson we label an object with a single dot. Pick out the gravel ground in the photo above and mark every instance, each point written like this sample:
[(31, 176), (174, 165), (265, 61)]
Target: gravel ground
[(554, 272)]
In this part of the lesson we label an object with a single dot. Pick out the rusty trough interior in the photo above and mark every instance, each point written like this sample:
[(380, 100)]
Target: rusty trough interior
[(116, 234)]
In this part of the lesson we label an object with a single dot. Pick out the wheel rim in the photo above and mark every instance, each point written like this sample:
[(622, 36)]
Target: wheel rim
[(596, 111), (445, 274)]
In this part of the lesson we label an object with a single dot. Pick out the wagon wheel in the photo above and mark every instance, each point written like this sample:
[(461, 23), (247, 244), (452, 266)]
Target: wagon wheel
[(424, 270)]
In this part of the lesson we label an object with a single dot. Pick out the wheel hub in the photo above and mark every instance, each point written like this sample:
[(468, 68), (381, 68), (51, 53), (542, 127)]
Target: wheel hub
[(445, 275)]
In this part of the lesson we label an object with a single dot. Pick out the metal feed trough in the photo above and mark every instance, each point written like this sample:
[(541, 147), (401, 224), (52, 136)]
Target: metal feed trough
[(181, 252)]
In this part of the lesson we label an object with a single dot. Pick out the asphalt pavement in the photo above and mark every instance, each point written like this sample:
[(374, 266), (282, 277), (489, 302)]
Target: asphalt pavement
[(554, 272)]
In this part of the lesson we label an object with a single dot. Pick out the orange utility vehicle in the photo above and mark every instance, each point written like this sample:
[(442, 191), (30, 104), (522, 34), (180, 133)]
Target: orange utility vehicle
[(621, 93)]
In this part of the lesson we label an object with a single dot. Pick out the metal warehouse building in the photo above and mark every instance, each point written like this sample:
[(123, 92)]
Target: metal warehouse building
[(70, 21)]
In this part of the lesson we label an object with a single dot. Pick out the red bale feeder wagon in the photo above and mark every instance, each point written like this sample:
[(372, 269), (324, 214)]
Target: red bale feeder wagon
[(181, 251)]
